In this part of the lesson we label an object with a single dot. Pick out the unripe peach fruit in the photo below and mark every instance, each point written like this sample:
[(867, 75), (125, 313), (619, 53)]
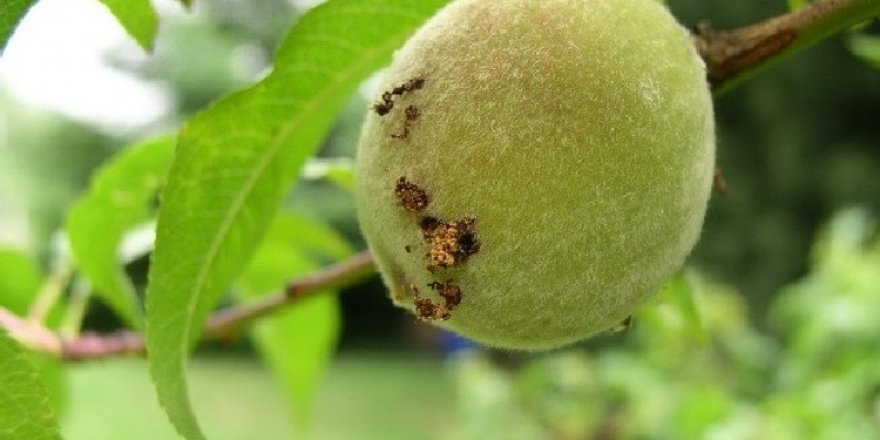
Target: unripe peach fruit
[(535, 169)]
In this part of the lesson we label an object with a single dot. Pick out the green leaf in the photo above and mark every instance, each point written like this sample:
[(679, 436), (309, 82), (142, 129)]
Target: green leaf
[(866, 47), (797, 4), (26, 411), (20, 279), (679, 291), (52, 376), (235, 162), (11, 13), (314, 239), (309, 243), (139, 19), (121, 197), (338, 171), (298, 342)]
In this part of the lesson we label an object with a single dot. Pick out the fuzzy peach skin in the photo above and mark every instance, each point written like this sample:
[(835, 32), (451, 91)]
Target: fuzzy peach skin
[(550, 161)]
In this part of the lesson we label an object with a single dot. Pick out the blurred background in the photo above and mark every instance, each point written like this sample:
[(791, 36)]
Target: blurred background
[(772, 332)]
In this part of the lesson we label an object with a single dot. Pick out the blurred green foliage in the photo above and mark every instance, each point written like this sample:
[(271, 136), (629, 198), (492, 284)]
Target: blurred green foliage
[(121, 197), (815, 375), (795, 144), (46, 161), (365, 396), (299, 342)]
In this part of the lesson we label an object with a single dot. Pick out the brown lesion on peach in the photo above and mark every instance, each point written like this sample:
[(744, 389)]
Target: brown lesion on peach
[(450, 243), (385, 106), (449, 291), (411, 196), (411, 114), (426, 310)]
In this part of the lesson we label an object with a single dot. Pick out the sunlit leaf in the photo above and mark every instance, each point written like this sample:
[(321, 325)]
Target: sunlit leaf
[(299, 341), (235, 162), (26, 411), (676, 314), (11, 12), (298, 344), (121, 196), (316, 240), (308, 242), (680, 292), (139, 19), (797, 4), (866, 47), (20, 279), (338, 171)]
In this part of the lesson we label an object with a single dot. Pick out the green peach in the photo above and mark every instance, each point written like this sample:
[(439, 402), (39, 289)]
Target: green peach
[(536, 169)]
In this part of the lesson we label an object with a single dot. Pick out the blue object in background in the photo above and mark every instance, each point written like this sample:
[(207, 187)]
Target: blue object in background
[(452, 343)]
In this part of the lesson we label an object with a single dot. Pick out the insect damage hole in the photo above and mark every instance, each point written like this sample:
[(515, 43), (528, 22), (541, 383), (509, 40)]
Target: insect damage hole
[(385, 106), (449, 291), (411, 196), (426, 310), (451, 243)]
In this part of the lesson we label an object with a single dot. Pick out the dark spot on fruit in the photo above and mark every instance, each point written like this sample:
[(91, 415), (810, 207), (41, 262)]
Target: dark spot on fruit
[(428, 224), (407, 248), (387, 104), (450, 292), (469, 243), (426, 310), (412, 113), (413, 198), (450, 243), (442, 313)]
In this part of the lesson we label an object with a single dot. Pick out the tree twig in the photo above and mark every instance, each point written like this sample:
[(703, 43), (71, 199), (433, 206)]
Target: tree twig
[(343, 274), (735, 55), (222, 323)]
